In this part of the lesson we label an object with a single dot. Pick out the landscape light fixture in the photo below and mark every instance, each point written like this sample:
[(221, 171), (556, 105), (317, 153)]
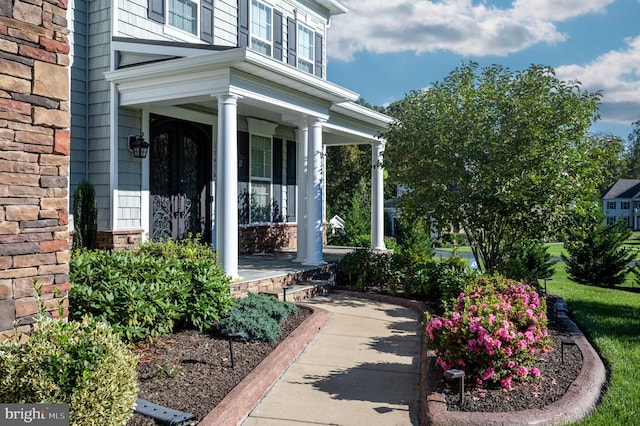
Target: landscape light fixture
[(563, 343), (240, 335), (457, 374), (138, 145)]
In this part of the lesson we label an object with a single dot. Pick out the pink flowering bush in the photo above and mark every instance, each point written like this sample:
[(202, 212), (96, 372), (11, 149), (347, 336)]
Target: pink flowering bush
[(492, 331)]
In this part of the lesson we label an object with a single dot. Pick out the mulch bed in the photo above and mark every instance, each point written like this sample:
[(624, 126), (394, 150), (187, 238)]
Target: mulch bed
[(191, 371), (556, 377)]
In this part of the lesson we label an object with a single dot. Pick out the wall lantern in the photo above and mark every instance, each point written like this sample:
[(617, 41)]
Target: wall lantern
[(138, 145)]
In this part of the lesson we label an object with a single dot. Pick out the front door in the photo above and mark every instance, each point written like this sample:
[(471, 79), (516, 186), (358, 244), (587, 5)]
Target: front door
[(180, 169)]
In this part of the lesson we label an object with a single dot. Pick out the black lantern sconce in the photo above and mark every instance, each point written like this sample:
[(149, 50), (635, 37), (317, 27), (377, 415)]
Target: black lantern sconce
[(138, 145)]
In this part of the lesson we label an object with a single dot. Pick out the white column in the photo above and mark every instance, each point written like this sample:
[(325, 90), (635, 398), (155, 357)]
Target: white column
[(227, 185), (314, 194), (377, 197), (301, 200)]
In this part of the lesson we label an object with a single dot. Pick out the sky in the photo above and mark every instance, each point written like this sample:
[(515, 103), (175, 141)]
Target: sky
[(383, 49)]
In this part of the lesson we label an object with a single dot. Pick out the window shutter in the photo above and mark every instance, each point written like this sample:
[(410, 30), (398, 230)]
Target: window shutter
[(243, 23), (291, 162), (243, 157), (206, 21), (319, 67), (277, 161), (291, 41), (156, 10), (277, 35)]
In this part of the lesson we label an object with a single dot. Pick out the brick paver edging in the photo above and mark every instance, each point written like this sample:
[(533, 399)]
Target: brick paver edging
[(237, 405), (579, 400)]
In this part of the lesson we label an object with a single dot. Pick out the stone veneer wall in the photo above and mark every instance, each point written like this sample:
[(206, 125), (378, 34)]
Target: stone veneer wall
[(34, 157)]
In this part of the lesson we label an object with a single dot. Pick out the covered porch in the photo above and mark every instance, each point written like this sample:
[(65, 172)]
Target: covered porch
[(222, 88)]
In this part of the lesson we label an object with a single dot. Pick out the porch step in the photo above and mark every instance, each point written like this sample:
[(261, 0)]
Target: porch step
[(300, 291)]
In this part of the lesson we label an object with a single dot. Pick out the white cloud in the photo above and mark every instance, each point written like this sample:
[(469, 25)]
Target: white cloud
[(617, 75), (461, 26)]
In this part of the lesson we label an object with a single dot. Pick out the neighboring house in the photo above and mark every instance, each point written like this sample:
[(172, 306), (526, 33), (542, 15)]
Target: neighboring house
[(622, 202), (232, 98)]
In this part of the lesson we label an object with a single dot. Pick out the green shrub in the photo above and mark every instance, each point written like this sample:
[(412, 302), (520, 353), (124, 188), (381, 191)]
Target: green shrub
[(528, 262), (352, 269), (83, 364), (493, 331), (363, 267), (258, 316), (206, 297), (449, 277), (597, 255), (151, 289), (85, 216), (134, 292)]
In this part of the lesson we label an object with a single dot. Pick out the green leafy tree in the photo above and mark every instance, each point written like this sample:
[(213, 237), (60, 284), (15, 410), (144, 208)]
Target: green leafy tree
[(615, 157), (349, 189), (503, 154), (596, 252), (633, 153)]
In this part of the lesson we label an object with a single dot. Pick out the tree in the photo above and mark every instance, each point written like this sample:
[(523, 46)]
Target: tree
[(615, 161), (597, 255), (503, 154), (633, 153)]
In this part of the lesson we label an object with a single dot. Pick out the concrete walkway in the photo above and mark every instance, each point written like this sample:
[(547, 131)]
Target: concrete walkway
[(361, 369)]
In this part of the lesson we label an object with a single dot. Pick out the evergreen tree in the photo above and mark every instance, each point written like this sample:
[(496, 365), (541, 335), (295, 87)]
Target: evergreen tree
[(596, 252)]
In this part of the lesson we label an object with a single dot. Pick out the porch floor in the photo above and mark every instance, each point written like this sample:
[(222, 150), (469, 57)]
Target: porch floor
[(262, 266)]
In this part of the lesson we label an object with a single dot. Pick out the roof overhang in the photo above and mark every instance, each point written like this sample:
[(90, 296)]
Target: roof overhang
[(334, 7)]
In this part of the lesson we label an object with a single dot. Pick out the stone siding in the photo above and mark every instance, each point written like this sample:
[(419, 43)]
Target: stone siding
[(34, 158)]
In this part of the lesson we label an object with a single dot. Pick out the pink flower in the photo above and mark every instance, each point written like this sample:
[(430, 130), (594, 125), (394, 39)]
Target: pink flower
[(535, 372), (522, 371), (506, 382), (487, 374), (437, 323), (511, 364)]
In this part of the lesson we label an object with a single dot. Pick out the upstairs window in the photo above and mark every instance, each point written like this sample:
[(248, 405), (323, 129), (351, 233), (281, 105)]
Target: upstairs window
[(183, 14), (261, 27), (625, 205), (305, 49), (611, 205)]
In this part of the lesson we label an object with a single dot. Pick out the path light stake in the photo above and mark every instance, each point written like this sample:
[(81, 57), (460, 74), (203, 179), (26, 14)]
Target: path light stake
[(545, 284), (284, 290), (240, 335), (457, 374), (563, 342)]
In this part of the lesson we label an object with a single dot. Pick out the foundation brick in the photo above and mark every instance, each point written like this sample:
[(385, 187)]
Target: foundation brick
[(37, 54), (7, 314), (19, 213), (50, 80), (19, 273), (15, 69), (62, 144), (26, 306), (49, 117), (14, 84), (54, 246), (19, 249), (28, 260), (6, 289)]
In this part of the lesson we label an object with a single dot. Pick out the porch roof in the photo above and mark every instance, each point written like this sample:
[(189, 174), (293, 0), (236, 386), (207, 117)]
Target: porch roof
[(267, 89)]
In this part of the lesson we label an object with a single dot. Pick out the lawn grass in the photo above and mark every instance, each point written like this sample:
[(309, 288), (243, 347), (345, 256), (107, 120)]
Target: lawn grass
[(611, 320)]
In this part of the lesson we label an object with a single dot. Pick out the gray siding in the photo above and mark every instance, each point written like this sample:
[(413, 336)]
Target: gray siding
[(99, 93), (129, 171), (78, 23)]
